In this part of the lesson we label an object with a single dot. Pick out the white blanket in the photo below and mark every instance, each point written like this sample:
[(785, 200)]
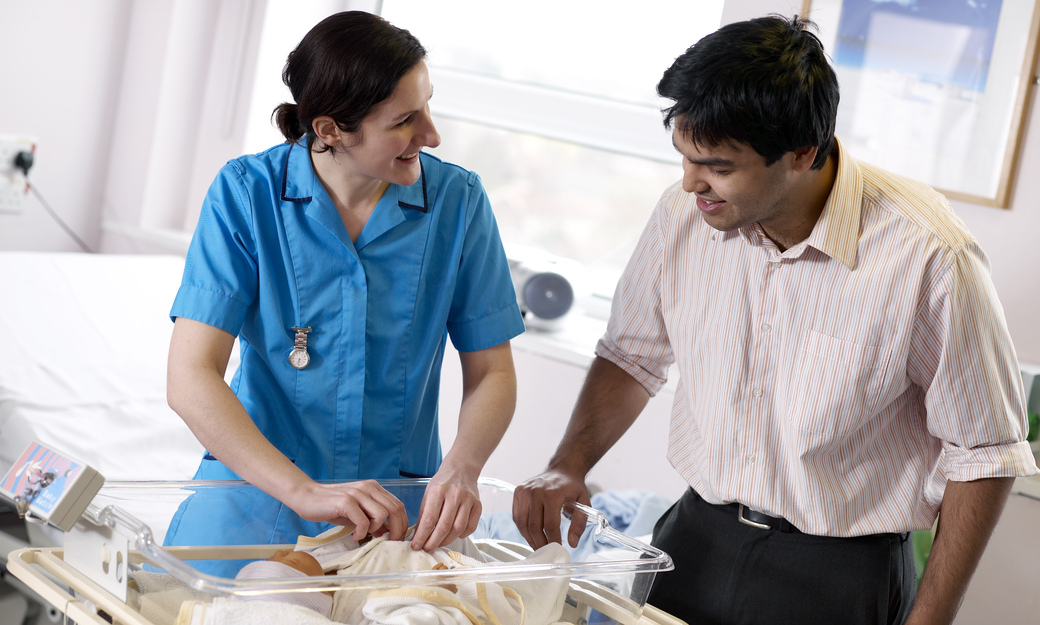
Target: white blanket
[(230, 611), (519, 602)]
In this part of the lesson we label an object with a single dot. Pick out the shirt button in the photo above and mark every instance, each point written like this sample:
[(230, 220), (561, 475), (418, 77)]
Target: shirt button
[(766, 327), (757, 392), (751, 457)]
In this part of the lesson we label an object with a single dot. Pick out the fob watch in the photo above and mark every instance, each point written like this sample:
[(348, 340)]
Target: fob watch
[(298, 357)]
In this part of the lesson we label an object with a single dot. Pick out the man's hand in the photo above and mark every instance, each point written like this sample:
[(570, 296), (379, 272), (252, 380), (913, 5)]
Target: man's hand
[(609, 402), (450, 509), (538, 503), (365, 505)]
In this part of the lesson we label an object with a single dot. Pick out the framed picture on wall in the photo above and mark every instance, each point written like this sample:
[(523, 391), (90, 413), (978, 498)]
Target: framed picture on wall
[(935, 90)]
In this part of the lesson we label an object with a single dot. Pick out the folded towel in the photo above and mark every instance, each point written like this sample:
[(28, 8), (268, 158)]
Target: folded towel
[(530, 601), (159, 596), (517, 602), (542, 597), (233, 611)]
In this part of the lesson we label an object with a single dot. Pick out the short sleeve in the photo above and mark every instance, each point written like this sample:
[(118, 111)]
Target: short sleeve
[(484, 311), (220, 269), (636, 339), (962, 356)]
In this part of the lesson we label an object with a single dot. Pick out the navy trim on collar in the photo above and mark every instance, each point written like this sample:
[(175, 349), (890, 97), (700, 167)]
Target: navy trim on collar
[(424, 208)]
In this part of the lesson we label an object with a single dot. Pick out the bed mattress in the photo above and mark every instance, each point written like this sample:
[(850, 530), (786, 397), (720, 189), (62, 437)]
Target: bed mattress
[(83, 345)]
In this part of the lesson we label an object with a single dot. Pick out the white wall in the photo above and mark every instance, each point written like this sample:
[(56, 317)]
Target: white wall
[(68, 82), (61, 67)]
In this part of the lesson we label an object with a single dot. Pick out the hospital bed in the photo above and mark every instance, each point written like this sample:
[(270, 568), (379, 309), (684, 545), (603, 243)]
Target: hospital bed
[(83, 344), (108, 569)]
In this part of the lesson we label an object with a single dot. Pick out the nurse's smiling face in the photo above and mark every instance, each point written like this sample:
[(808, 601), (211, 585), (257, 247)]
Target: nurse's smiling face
[(394, 133)]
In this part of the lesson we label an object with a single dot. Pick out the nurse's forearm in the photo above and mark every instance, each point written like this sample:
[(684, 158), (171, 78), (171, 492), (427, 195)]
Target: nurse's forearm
[(488, 402), (221, 424), (197, 392)]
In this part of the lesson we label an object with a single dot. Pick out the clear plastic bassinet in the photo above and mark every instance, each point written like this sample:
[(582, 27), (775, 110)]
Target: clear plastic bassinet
[(97, 577)]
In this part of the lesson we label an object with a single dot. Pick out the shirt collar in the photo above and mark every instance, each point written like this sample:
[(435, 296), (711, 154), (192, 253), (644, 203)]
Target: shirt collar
[(836, 232), (299, 180)]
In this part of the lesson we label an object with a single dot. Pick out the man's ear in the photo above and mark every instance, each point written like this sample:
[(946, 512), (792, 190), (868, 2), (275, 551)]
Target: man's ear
[(327, 131), (804, 157)]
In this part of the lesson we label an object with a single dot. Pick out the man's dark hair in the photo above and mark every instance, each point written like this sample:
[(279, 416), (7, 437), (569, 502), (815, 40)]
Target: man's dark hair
[(765, 82)]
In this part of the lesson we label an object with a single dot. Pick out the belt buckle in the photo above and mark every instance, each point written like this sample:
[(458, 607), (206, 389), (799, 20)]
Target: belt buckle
[(740, 517)]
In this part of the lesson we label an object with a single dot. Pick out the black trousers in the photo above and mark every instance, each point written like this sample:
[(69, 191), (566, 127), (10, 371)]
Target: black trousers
[(728, 572)]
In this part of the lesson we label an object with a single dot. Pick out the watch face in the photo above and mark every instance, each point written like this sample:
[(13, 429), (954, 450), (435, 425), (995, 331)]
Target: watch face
[(299, 358)]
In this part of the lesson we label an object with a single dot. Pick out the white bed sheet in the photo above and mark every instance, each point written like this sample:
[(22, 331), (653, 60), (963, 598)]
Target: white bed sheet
[(83, 345)]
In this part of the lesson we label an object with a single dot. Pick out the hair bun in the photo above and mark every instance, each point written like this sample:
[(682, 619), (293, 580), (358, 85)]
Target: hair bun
[(287, 117)]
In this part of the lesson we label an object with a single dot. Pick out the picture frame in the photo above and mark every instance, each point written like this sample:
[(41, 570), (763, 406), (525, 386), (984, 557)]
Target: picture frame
[(932, 89)]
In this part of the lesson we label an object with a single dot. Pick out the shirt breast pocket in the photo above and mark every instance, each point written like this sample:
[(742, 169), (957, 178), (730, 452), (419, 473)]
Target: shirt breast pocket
[(837, 385)]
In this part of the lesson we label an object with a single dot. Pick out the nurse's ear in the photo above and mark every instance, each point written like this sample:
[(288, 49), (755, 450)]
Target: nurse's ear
[(328, 132)]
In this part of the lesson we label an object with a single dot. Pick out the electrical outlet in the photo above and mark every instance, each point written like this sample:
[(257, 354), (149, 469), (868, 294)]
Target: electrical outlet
[(14, 190)]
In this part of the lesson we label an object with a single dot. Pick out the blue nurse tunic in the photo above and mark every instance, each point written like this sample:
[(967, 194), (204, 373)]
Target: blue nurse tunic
[(270, 252)]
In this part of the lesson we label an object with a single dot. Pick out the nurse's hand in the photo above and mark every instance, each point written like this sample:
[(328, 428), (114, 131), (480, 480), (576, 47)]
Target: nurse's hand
[(450, 509), (538, 503), (366, 505)]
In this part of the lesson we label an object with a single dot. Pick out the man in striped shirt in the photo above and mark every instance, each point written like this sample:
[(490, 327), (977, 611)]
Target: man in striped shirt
[(845, 370)]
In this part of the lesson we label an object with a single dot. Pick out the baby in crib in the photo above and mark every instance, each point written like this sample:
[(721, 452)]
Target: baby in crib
[(336, 553), (287, 565)]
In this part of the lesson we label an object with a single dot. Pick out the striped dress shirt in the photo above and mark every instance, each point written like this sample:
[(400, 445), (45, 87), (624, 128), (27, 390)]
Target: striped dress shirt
[(838, 384)]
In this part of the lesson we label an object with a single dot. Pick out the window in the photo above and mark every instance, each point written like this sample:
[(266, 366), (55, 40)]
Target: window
[(552, 103)]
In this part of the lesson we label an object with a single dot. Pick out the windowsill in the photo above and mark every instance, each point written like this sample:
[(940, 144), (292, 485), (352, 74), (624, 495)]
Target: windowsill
[(571, 340)]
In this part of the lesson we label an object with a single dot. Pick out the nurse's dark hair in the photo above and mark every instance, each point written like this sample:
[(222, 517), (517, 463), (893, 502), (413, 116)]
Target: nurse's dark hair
[(765, 82), (344, 67)]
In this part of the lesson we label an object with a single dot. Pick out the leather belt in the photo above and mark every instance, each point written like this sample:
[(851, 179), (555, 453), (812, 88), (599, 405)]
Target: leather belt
[(755, 519)]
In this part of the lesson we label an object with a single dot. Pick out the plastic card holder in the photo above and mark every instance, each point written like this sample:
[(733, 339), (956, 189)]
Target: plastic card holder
[(51, 486)]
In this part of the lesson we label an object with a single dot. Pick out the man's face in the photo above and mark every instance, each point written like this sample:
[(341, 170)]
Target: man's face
[(733, 185)]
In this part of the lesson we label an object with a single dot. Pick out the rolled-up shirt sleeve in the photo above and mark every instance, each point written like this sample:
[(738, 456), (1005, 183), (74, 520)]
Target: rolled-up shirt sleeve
[(636, 339), (963, 357)]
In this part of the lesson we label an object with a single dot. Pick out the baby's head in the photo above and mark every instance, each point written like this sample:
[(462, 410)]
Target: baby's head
[(287, 565), (299, 560)]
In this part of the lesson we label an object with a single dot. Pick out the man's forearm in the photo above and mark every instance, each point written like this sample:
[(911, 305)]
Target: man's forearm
[(609, 402), (969, 513)]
